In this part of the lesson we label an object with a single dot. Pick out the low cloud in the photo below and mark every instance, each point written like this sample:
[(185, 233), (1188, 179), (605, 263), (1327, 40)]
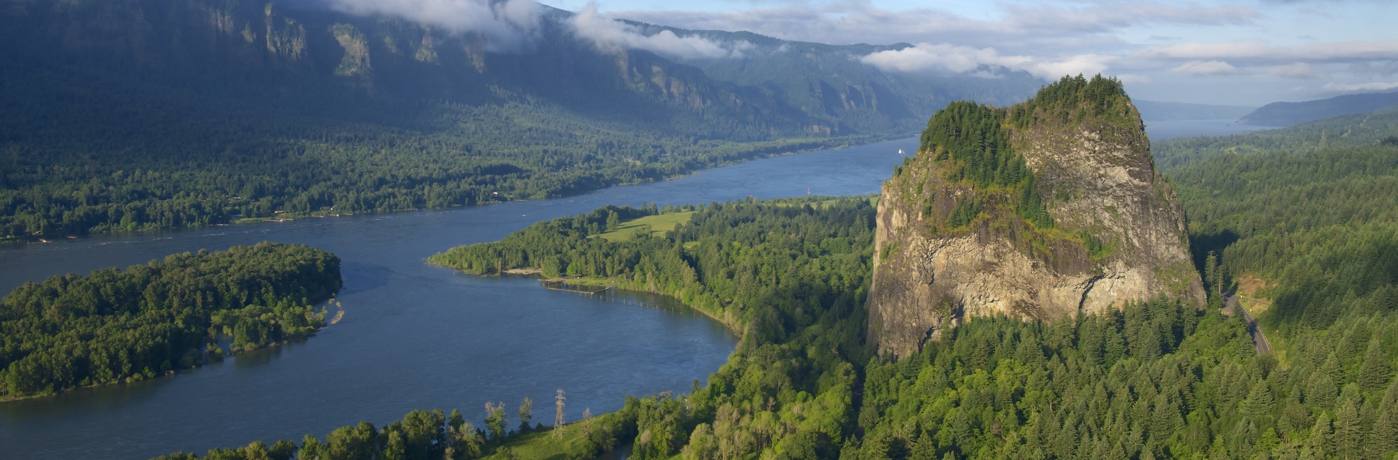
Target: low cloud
[(1375, 69), (1107, 16), (613, 35), (507, 26), (1019, 28), (1207, 68), (1258, 52), (960, 59), (1299, 70), (1358, 87)]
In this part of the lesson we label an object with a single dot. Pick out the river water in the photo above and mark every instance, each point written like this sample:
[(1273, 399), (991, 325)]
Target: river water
[(413, 336), (1162, 130)]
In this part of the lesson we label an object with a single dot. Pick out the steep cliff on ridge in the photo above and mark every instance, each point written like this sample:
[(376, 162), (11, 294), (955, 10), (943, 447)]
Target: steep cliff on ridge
[(1043, 209)]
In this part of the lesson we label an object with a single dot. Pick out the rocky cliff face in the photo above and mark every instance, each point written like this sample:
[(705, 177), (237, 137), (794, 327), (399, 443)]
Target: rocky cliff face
[(1041, 210)]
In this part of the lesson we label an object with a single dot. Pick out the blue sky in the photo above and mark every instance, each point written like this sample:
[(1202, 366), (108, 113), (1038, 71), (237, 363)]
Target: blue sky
[(1239, 52)]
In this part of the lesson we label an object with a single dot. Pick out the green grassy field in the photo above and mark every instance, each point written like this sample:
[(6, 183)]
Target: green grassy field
[(543, 445), (658, 225)]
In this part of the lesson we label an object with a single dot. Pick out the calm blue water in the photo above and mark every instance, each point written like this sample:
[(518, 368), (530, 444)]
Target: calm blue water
[(413, 336), (1161, 130)]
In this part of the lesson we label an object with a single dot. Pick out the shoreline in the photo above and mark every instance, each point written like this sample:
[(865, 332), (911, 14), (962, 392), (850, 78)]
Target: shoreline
[(230, 353), (609, 283), (613, 283), (24, 240), (172, 372)]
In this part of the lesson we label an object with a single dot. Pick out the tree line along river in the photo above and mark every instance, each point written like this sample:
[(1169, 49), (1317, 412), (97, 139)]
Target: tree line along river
[(413, 336)]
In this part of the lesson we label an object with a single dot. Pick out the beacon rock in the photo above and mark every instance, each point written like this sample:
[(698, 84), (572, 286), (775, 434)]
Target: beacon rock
[(1115, 231)]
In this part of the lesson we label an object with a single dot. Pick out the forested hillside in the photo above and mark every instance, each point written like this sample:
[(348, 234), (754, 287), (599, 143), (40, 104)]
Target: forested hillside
[(1338, 132), (140, 114), (128, 325), (1291, 113), (1313, 232)]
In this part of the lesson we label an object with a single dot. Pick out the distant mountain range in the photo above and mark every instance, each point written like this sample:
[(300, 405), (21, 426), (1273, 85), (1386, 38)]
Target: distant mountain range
[(1291, 113), (331, 64), (131, 114)]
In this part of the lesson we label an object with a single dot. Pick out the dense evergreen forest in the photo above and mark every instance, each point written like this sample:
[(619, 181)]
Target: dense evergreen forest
[(144, 114), (1156, 379), (147, 320), (1300, 221), (1331, 133)]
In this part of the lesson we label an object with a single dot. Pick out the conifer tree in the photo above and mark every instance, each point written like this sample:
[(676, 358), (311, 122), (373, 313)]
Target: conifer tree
[(1375, 370), (1318, 444), (1259, 404), (1348, 432)]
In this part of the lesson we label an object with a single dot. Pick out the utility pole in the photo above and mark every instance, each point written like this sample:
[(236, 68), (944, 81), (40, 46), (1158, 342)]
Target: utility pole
[(558, 414)]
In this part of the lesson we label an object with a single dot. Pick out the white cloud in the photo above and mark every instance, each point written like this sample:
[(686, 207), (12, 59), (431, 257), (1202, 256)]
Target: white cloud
[(508, 25), (1355, 87), (1371, 69), (743, 46), (960, 59), (1256, 51), (1299, 70), (1107, 16), (612, 35), (1020, 28), (944, 57), (1086, 64), (1206, 68)]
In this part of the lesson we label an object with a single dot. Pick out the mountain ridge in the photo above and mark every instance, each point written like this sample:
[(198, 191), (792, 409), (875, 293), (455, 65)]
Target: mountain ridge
[(1284, 114), (239, 109)]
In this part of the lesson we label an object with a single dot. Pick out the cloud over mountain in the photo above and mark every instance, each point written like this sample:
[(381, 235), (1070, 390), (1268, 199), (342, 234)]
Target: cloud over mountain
[(508, 25), (610, 34), (959, 59)]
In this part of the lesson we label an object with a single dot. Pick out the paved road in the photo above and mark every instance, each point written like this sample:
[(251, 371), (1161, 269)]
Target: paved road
[(1259, 340)]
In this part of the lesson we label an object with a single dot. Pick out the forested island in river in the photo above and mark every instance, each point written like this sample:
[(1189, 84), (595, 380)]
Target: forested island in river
[(147, 320)]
